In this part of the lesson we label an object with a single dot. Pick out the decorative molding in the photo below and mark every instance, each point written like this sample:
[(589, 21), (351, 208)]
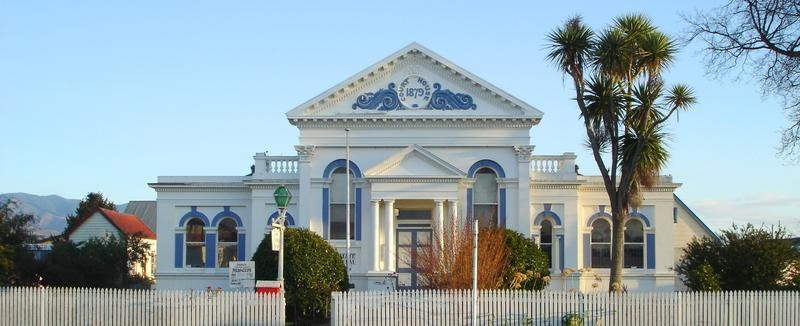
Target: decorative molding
[(385, 99), (573, 186), (524, 153), (198, 188), (505, 182), (467, 182), (444, 99), (382, 121), (601, 188), (392, 179), (305, 152)]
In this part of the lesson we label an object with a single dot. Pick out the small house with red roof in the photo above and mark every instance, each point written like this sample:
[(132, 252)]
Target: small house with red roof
[(107, 222)]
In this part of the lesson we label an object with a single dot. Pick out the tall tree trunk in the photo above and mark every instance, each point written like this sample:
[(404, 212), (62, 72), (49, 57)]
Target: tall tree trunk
[(620, 215)]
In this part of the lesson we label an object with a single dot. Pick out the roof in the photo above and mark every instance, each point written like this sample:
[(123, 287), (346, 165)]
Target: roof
[(310, 109), (145, 210), (126, 223), (695, 217)]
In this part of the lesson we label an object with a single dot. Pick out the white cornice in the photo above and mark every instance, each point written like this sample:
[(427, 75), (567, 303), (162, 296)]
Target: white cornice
[(421, 179), (383, 121), (197, 188)]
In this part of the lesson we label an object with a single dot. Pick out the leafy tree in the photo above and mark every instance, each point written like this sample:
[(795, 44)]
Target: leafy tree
[(16, 262), (312, 270), (761, 37), (624, 105), (98, 262), (86, 208), (744, 258)]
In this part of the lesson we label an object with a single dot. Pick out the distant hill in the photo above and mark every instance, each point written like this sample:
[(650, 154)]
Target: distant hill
[(50, 211)]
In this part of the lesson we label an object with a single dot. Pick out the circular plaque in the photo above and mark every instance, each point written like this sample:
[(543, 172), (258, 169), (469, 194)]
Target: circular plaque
[(414, 92)]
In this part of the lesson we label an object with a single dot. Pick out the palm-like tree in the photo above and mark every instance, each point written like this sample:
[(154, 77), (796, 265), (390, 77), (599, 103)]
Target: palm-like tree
[(624, 106)]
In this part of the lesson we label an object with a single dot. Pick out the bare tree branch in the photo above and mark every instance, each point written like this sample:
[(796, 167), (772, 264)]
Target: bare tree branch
[(762, 37)]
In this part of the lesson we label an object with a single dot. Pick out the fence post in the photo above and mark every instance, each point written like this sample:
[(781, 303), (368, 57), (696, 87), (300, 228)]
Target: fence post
[(334, 296), (42, 296)]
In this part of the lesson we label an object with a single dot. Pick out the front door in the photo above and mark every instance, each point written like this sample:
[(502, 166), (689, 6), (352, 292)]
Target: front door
[(410, 242)]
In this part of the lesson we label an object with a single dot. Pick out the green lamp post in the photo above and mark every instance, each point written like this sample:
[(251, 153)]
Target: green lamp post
[(282, 198)]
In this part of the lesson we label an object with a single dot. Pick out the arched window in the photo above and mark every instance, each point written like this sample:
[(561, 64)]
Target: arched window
[(601, 244), (195, 243), (546, 240), (227, 242), (484, 205), (634, 244), (339, 203)]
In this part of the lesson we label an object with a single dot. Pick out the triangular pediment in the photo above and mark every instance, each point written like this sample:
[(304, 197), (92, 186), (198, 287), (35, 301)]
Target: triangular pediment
[(414, 161), (414, 82)]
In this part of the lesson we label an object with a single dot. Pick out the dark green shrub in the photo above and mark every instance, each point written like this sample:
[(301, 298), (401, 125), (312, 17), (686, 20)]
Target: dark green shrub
[(312, 270), (743, 258), (704, 278), (527, 265), (98, 262)]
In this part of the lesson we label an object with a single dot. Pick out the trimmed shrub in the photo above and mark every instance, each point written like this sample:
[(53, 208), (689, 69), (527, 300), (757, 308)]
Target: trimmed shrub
[(312, 270), (527, 264)]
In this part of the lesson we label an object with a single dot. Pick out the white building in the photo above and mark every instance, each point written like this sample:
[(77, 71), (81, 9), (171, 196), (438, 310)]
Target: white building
[(430, 143)]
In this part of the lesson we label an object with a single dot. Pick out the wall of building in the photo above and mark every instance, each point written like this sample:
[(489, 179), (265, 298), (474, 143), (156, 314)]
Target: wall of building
[(93, 227)]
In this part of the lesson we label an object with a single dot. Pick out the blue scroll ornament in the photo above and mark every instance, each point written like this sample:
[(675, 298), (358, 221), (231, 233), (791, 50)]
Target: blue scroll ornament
[(382, 100), (444, 99)]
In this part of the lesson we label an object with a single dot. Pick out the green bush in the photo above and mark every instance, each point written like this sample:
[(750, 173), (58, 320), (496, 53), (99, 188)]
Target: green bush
[(527, 264), (743, 258), (98, 262), (312, 270), (704, 278)]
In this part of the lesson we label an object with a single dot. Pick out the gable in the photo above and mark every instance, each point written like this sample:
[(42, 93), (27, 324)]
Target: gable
[(95, 226), (414, 161), (414, 83)]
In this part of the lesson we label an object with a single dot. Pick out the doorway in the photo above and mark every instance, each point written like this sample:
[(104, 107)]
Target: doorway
[(413, 235)]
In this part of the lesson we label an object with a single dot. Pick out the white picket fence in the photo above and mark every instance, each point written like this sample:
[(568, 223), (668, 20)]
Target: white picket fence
[(80, 306), (505, 307)]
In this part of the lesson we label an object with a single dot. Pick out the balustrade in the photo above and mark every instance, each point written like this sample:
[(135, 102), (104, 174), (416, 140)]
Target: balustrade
[(549, 167)]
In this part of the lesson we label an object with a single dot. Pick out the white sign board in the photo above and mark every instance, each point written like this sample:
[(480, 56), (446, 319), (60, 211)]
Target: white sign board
[(242, 274), (276, 239)]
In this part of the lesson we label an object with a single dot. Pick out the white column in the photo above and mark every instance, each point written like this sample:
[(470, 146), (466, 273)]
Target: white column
[(452, 206), (438, 221), (388, 228), (304, 156), (555, 251), (523, 216), (376, 234), (454, 225)]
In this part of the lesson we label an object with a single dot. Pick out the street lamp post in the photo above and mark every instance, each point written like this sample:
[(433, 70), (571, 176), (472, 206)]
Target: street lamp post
[(282, 198)]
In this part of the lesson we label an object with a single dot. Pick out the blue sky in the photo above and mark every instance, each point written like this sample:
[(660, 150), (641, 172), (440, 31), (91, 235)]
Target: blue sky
[(106, 96)]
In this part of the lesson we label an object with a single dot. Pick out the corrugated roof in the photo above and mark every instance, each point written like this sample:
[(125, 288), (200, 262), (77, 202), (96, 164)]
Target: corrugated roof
[(145, 210), (128, 224)]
